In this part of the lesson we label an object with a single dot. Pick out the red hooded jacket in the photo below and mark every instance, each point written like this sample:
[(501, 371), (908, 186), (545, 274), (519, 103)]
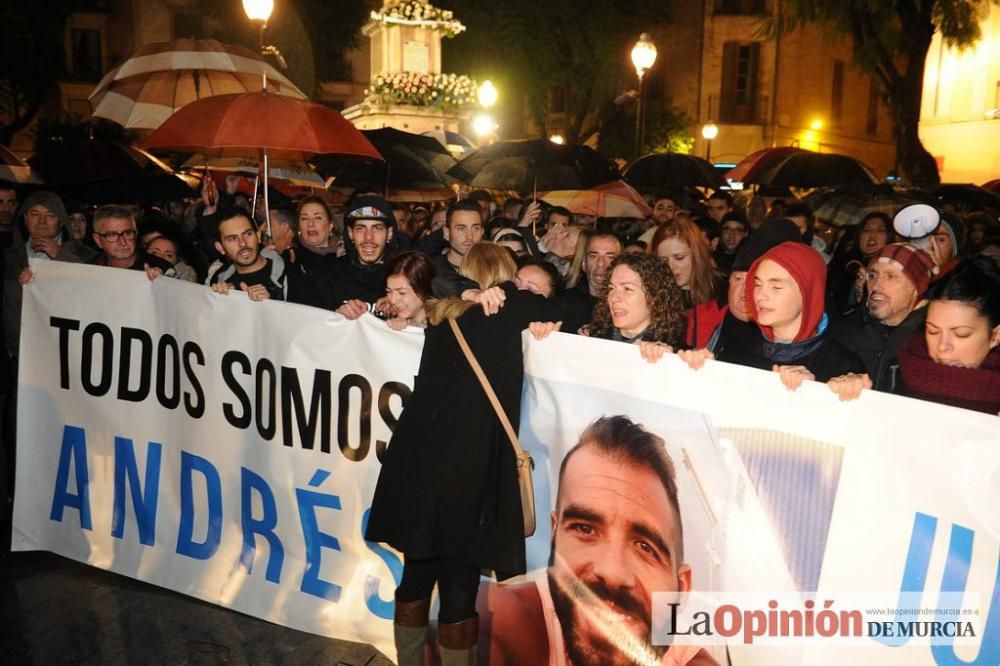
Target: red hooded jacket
[(808, 269)]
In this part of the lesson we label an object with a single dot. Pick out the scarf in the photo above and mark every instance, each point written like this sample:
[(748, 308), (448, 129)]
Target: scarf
[(970, 388)]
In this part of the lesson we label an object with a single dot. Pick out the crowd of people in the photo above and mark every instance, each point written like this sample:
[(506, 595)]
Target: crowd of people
[(752, 282)]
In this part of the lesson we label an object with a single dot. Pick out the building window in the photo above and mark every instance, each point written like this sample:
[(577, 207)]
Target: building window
[(739, 7), (187, 25), (738, 100), (871, 126), (837, 94), (86, 54)]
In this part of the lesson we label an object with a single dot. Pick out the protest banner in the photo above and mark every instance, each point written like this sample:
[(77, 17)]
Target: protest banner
[(228, 450)]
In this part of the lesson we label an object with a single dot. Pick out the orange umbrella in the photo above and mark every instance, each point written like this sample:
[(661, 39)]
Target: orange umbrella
[(260, 125), (598, 204)]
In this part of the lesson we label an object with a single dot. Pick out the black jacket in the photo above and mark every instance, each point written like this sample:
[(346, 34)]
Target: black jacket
[(876, 344)]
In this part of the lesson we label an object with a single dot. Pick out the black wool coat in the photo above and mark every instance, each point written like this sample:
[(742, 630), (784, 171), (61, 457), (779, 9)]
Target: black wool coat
[(448, 485)]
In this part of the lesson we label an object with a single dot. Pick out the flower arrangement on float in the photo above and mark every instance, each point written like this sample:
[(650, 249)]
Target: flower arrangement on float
[(418, 13), (442, 91)]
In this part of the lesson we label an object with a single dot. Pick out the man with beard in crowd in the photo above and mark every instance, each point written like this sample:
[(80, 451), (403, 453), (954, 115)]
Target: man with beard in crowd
[(578, 302), (8, 207), (245, 268), (616, 539), (897, 277)]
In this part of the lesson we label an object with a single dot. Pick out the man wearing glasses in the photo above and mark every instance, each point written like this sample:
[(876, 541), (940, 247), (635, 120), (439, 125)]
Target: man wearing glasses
[(116, 236)]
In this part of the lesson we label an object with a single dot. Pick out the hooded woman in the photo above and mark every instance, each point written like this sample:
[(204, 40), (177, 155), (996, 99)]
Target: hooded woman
[(956, 359)]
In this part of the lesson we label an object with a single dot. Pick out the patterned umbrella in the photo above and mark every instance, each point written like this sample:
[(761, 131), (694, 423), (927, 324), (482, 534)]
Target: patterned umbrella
[(160, 78), (847, 206), (758, 161), (300, 174)]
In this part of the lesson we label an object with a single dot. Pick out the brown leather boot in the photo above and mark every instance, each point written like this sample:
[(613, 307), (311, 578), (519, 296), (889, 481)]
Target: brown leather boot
[(409, 631), (458, 642)]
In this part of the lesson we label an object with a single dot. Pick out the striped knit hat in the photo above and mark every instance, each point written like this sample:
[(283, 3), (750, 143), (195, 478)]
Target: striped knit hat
[(915, 262)]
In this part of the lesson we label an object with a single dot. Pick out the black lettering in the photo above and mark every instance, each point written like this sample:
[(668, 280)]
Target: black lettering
[(129, 337), (195, 408), (365, 416), (103, 384), (388, 390), (230, 359), (264, 366), (319, 409), (64, 326), (167, 344)]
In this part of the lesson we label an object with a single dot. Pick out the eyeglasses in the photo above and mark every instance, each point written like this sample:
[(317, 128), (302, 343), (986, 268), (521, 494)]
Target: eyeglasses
[(113, 236)]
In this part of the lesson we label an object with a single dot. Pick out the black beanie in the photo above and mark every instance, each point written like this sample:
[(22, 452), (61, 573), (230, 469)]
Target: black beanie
[(770, 234)]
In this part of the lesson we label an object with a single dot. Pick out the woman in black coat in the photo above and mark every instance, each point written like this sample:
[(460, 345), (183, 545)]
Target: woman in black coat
[(448, 496)]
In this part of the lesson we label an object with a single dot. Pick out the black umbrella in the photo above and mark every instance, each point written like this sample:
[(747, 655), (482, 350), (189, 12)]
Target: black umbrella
[(141, 189), (412, 162), (672, 170), (966, 195), (808, 169), (535, 165)]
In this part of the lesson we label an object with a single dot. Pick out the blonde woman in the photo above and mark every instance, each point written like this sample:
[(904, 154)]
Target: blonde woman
[(447, 496)]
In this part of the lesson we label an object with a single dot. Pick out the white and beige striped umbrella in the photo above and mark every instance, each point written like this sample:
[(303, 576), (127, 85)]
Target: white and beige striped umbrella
[(301, 174), (160, 78)]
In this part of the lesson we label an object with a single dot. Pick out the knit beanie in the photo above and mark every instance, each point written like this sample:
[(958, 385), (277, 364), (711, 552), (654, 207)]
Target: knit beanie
[(917, 265), (807, 268), (48, 199)]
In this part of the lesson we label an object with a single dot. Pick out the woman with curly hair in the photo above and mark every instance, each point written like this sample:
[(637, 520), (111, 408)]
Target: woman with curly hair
[(684, 249), (641, 303)]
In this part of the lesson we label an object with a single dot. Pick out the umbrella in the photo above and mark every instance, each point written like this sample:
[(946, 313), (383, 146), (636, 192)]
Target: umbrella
[(967, 195), (260, 125), (598, 203), (535, 164), (847, 206), (992, 186), (413, 163), (758, 161), (453, 141), (808, 170), (672, 170), (160, 78), (300, 174), (16, 170)]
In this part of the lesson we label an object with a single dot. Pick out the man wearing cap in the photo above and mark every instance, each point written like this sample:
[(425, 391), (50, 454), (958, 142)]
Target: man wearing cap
[(897, 277), (358, 278)]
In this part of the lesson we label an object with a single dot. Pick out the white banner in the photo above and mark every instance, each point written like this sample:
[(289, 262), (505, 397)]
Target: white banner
[(229, 450)]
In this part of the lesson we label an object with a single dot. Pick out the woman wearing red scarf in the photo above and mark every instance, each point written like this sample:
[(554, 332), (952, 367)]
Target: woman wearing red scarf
[(956, 360), (785, 297)]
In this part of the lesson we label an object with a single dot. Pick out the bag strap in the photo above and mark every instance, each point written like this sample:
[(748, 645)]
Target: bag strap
[(497, 407)]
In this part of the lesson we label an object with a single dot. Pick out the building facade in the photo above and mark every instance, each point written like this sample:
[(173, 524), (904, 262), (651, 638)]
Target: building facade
[(960, 112)]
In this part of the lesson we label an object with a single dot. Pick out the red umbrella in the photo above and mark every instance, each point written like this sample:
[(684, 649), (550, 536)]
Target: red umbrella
[(260, 125), (756, 162)]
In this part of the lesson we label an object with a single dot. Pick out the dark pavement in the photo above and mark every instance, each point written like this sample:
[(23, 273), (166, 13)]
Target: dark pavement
[(57, 611)]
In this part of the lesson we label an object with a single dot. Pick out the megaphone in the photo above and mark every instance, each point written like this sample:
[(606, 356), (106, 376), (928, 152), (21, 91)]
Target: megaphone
[(916, 221)]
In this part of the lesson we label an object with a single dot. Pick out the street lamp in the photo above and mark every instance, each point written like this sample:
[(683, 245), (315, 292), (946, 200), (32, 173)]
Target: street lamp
[(484, 126), (259, 11), (709, 131), (487, 94), (557, 139), (643, 57)]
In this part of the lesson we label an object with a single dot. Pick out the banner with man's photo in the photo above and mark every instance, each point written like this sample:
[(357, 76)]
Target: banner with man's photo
[(229, 450)]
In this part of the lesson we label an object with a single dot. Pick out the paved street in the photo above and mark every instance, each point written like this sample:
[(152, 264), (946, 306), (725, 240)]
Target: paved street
[(56, 611)]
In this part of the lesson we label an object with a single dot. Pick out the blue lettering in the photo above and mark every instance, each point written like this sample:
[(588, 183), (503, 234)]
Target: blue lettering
[(186, 545), (264, 526), (73, 452), (376, 604), (144, 497), (315, 540), (918, 558)]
